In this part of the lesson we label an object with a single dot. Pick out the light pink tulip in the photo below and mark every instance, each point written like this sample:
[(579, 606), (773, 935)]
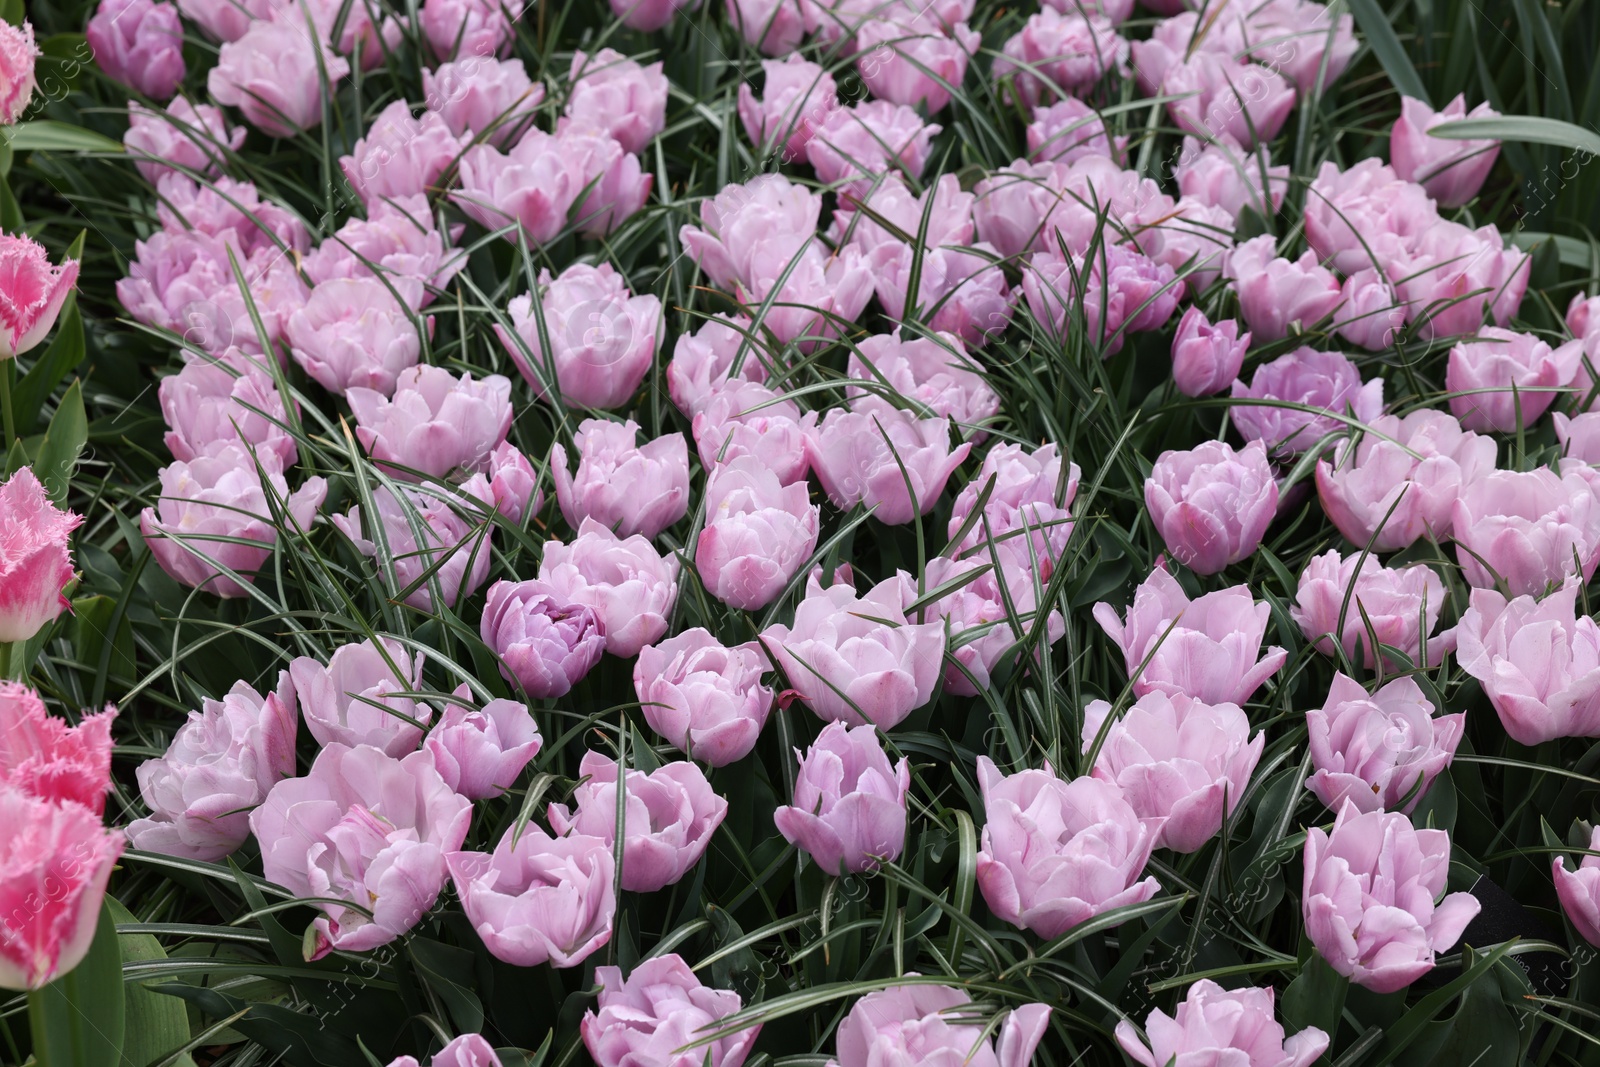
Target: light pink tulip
[(259, 229), (469, 29), (868, 457), (56, 860), (44, 757), (1275, 293), (1422, 461), (364, 828), (647, 16), (1527, 529), (481, 96), (1538, 662), (933, 1024), (529, 189), (668, 817), (1055, 854), (1212, 504), (1029, 493), (959, 291), (647, 1020), (18, 76), (1207, 647), (35, 557), (479, 751), (468, 1050), (707, 700), (979, 615), (1451, 279), (630, 489), (849, 807), (1176, 759), (538, 899), (198, 137), (628, 585), (851, 146), (745, 420), (210, 403), (352, 333), (911, 56), (1058, 54), (221, 764), (1452, 171), (703, 362), (1579, 890), (1309, 379), (1070, 129), (213, 513), (1222, 97), (418, 531), (603, 339), (546, 643), (1379, 750), (434, 423), (1369, 902), (610, 92), (1221, 1026), (275, 77), (140, 44), (758, 533), (610, 182), (1579, 435), (857, 659), (32, 292), (398, 239), (1206, 358), (1507, 380), (352, 700), (1119, 290), (401, 155), (775, 27), (1401, 606), (1224, 175), (797, 98), (1370, 315), (1301, 39)]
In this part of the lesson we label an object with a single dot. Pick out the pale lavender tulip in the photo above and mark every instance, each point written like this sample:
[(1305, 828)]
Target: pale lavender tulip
[(1206, 358), (849, 807), (275, 77), (1222, 174), (352, 700), (1421, 461), (1400, 606), (1506, 380), (647, 16), (538, 899), (1369, 902), (1579, 890), (468, 28), (868, 457), (935, 1025), (352, 333), (1212, 504), (668, 817), (479, 751), (649, 1019), (910, 56), (611, 182), (603, 339), (434, 423), (979, 614), (1276, 293), (703, 362), (775, 27), (1177, 759), (631, 489), (706, 699), (1055, 854), (1380, 750), (797, 97), (851, 146), (364, 828), (857, 659), (481, 96), (417, 532), (1030, 493), (1221, 1026), (401, 155), (527, 190), (1451, 278), (399, 240), (1370, 315), (758, 533), (468, 1050), (1310, 379), (213, 513), (1070, 129), (963, 291), (1207, 647), (1058, 54), (936, 372), (1301, 39), (1579, 435), (195, 136), (630, 587), (139, 44), (235, 210), (220, 765), (610, 92), (1538, 662), (513, 484), (206, 404), (746, 420), (1218, 96), (1451, 171), (1119, 290), (1526, 529), (545, 643)]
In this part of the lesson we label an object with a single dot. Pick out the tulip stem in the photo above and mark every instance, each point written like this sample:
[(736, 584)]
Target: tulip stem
[(8, 368), (5, 661)]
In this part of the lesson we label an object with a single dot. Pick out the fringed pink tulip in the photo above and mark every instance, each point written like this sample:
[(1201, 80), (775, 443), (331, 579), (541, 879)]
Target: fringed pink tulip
[(45, 757), (35, 557)]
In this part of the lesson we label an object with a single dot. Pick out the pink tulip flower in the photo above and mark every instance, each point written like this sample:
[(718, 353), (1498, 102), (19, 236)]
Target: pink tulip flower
[(758, 533), (44, 757), (662, 1006), (849, 807), (1400, 606), (704, 698), (545, 642), (933, 1024), (1380, 752), (35, 557), (1212, 504), (1216, 1025)]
